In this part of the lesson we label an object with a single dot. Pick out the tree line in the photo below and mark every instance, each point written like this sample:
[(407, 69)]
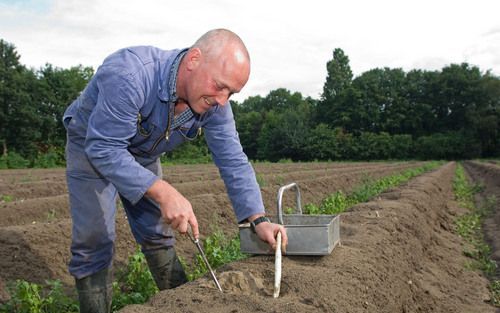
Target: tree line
[(384, 113), (32, 103), (452, 113)]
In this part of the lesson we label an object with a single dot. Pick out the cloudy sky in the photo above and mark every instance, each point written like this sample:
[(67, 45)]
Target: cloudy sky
[(289, 41)]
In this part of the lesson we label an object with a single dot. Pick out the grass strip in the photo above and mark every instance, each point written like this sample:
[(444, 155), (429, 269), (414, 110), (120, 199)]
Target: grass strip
[(339, 201), (468, 226)]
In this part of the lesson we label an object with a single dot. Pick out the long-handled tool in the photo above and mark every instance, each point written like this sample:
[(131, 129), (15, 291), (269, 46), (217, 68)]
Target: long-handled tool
[(198, 245)]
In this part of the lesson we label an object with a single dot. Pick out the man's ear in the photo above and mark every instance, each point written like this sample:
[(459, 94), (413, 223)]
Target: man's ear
[(193, 58)]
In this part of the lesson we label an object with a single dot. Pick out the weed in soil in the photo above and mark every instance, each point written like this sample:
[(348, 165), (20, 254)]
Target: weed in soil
[(135, 285), (6, 198), (51, 215), (34, 298), (495, 291), (260, 180), (219, 250)]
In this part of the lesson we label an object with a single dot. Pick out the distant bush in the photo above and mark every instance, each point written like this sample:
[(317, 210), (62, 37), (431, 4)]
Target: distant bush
[(189, 153), (449, 146), (13, 160), (53, 158)]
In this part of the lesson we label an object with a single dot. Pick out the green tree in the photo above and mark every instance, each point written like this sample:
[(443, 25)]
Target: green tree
[(32, 104), (57, 89), (339, 78), (358, 108), (252, 103), (420, 94), (281, 100), (459, 96), (488, 116), (18, 118), (322, 144), (339, 75), (249, 126), (285, 126)]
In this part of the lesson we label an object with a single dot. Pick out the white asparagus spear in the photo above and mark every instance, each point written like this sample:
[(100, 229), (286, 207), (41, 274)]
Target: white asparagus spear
[(277, 267)]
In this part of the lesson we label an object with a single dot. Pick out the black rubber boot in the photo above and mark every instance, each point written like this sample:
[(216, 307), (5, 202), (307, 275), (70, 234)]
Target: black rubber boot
[(166, 268), (95, 292)]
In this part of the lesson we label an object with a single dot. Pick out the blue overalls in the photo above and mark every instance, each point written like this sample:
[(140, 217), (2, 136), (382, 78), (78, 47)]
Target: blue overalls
[(116, 131)]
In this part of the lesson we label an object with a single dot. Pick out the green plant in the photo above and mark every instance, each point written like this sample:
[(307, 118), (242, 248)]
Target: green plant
[(135, 285), (260, 180), (195, 152), (219, 250), (51, 215), (495, 292), (33, 298), (3, 163), (52, 158), (6, 198), (13, 160), (280, 180), (464, 192), (334, 203), (339, 201)]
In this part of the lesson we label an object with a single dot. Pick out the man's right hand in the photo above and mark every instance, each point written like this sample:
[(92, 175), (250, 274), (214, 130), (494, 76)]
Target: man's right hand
[(175, 209)]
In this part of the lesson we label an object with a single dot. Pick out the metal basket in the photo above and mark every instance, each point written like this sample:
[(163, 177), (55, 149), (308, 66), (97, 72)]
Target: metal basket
[(307, 234)]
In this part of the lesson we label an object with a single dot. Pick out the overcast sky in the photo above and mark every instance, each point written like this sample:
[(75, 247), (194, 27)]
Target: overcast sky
[(289, 41)]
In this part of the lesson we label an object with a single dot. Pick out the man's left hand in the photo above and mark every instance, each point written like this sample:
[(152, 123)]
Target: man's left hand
[(267, 232)]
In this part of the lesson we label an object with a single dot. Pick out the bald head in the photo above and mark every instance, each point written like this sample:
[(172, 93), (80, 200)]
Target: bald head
[(215, 43)]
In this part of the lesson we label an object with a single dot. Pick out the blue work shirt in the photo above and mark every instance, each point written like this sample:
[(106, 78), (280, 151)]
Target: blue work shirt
[(123, 119)]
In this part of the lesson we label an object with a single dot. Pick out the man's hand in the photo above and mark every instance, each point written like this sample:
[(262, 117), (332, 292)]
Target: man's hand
[(267, 232), (175, 209)]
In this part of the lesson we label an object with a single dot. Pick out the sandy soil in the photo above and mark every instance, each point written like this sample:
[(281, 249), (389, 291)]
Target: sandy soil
[(398, 253), (35, 232), (4, 295)]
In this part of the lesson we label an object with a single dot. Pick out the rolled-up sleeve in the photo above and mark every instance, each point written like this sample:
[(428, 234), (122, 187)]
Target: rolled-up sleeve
[(237, 173), (111, 125)]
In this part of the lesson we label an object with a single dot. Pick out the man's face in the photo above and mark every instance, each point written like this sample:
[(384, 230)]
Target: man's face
[(212, 81)]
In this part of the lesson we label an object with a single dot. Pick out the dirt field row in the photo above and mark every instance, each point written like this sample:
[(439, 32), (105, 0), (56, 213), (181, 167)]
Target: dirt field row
[(35, 233), (21, 185), (332, 177), (398, 254)]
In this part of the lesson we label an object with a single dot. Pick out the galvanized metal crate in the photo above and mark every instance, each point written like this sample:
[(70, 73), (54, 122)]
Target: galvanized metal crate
[(307, 234)]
